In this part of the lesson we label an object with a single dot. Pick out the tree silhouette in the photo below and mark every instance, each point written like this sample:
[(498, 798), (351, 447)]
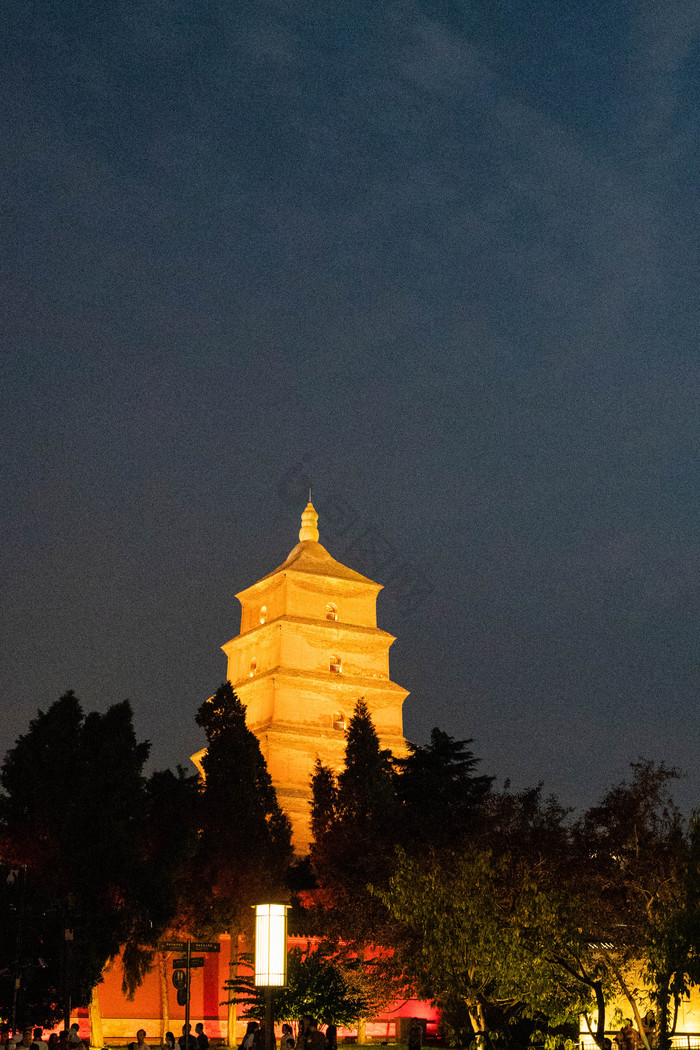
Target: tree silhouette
[(74, 822), (440, 796), (244, 840), (354, 824)]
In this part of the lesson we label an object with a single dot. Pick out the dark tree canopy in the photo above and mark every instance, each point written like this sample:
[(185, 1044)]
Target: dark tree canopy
[(440, 796), (353, 820), (75, 822), (543, 917), (244, 843), (318, 985), (366, 794), (324, 809), (644, 859), (509, 913)]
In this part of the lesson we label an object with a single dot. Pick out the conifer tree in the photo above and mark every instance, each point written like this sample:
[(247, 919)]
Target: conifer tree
[(441, 797), (325, 801), (353, 820), (352, 854), (366, 791), (244, 843)]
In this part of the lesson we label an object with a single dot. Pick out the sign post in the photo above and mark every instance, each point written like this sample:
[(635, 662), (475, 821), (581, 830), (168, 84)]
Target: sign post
[(182, 971)]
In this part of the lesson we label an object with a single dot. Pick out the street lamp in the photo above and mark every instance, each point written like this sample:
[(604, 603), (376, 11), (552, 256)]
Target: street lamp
[(270, 956)]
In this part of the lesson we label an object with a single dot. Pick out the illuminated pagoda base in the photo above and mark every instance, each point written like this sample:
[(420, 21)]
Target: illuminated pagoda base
[(115, 1019)]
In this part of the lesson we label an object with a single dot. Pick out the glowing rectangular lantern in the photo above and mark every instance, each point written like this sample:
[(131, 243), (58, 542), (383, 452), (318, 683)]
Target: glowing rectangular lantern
[(270, 945)]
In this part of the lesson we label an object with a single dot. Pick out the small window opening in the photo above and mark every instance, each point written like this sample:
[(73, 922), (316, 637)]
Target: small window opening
[(253, 667), (263, 614), (336, 665), (331, 611), (339, 720)]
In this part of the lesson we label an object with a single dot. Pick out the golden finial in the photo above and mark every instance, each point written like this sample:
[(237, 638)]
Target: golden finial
[(309, 523)]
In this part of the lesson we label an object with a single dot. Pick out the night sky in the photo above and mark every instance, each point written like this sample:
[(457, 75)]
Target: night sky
[(438, 259)]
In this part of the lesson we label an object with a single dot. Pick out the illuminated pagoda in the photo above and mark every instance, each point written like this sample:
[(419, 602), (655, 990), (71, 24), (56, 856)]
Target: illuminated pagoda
[(308, 649)]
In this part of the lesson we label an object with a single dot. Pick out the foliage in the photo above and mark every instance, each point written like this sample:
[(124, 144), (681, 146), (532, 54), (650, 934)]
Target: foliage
[(543, 918), (244, 842), (353, 820), (441, 798), (172, 807), (365, 797), (32, 947), (431, 799), (481, 920), (169, 837), (325, 805), (74, 820), (643, 871), (672, 940), (496, 918), (317, 986)]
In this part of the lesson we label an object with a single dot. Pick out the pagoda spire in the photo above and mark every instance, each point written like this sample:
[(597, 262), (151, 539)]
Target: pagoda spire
[(309, 524)]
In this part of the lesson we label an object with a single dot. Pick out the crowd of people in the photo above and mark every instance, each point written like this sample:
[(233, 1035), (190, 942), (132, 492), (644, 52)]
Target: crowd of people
[(197, 1040), (310, 1037), (33, 1039)]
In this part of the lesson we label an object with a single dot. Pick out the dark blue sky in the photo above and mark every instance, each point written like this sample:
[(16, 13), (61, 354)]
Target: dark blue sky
[(440, 257)]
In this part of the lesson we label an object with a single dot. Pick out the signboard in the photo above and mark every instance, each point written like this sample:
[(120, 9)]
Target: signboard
[(179, 979), (195, 946), (195, 961)]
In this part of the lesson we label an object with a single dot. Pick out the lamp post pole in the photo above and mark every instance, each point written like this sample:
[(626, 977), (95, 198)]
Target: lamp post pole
[(269, 1023), (18, 953), (188, 971)]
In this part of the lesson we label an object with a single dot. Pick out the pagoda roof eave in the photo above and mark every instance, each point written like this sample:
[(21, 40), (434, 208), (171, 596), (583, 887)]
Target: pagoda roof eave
[(324, 678), (310, 558), (307, 621)]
